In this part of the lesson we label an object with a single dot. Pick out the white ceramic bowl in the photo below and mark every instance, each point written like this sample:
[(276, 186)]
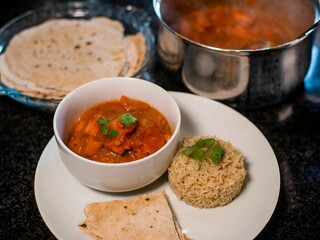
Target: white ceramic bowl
[(118, 177)]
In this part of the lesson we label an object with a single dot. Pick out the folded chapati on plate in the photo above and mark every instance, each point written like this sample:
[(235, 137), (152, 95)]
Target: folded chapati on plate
[(142, 217)]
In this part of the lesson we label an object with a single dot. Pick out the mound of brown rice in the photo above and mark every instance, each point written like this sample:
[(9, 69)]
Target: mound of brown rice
[(213, 184)]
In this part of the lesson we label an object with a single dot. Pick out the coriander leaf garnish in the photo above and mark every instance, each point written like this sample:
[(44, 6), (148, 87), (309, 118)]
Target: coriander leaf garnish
[(103, 121), (127, 119), (205, 148), (104, 128), (188, 151), (113, 133), (198, 154), (205, 142), (216, 154)]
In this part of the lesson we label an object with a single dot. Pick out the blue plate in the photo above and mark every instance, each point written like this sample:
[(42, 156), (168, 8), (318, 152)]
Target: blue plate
[(133, 19)]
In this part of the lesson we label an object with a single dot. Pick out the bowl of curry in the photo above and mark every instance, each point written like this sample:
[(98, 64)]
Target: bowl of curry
[(117, 134), (248, 54)]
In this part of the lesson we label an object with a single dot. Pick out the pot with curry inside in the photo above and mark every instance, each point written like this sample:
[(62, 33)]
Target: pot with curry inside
[(247, 53)]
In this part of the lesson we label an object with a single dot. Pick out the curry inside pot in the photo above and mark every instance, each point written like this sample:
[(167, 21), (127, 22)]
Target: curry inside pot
[(239, 24)]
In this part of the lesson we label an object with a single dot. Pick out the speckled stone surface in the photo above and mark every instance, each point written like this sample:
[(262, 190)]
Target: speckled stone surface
[(292, 128)]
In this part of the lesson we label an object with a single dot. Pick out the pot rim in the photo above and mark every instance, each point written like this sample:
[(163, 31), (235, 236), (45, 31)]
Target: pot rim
[(300, 38)]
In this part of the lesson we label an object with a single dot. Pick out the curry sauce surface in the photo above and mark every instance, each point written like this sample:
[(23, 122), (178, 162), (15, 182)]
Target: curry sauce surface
[(140, 139)]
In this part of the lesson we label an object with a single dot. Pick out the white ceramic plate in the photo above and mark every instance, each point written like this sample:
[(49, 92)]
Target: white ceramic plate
[(61, 198)]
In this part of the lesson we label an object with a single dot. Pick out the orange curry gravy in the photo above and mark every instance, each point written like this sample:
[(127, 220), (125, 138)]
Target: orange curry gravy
[(233, 27), (140, 139)]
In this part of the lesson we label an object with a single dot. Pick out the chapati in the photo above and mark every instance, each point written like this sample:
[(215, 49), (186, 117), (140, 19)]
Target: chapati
[(135, 50), (51, 59), (142, 217)]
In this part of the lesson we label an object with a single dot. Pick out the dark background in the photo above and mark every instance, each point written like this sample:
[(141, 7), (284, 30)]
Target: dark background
[(292, 128)]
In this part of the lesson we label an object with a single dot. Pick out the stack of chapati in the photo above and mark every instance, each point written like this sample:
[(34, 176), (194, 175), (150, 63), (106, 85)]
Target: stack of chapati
[(143, 217), (53, 58)]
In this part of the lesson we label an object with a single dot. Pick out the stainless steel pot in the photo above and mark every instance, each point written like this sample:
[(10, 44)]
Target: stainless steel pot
[(248, 78)]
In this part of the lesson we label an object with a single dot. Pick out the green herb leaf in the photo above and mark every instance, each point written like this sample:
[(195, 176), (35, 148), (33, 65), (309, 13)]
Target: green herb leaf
[(216, 154), (198, 154), (127, 119), (205, 142), (103, 121), (103, 130), (205, 148), (113, 133), (188, 150)]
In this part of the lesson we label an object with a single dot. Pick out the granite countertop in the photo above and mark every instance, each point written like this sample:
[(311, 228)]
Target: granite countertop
[(291, 127)]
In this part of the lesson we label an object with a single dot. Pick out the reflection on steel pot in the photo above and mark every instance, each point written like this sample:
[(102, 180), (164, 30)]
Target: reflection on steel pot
[(261, 69)]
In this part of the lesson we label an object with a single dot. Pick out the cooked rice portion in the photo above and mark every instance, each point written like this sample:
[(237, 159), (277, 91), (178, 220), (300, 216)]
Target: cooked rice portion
[(213, 184)]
